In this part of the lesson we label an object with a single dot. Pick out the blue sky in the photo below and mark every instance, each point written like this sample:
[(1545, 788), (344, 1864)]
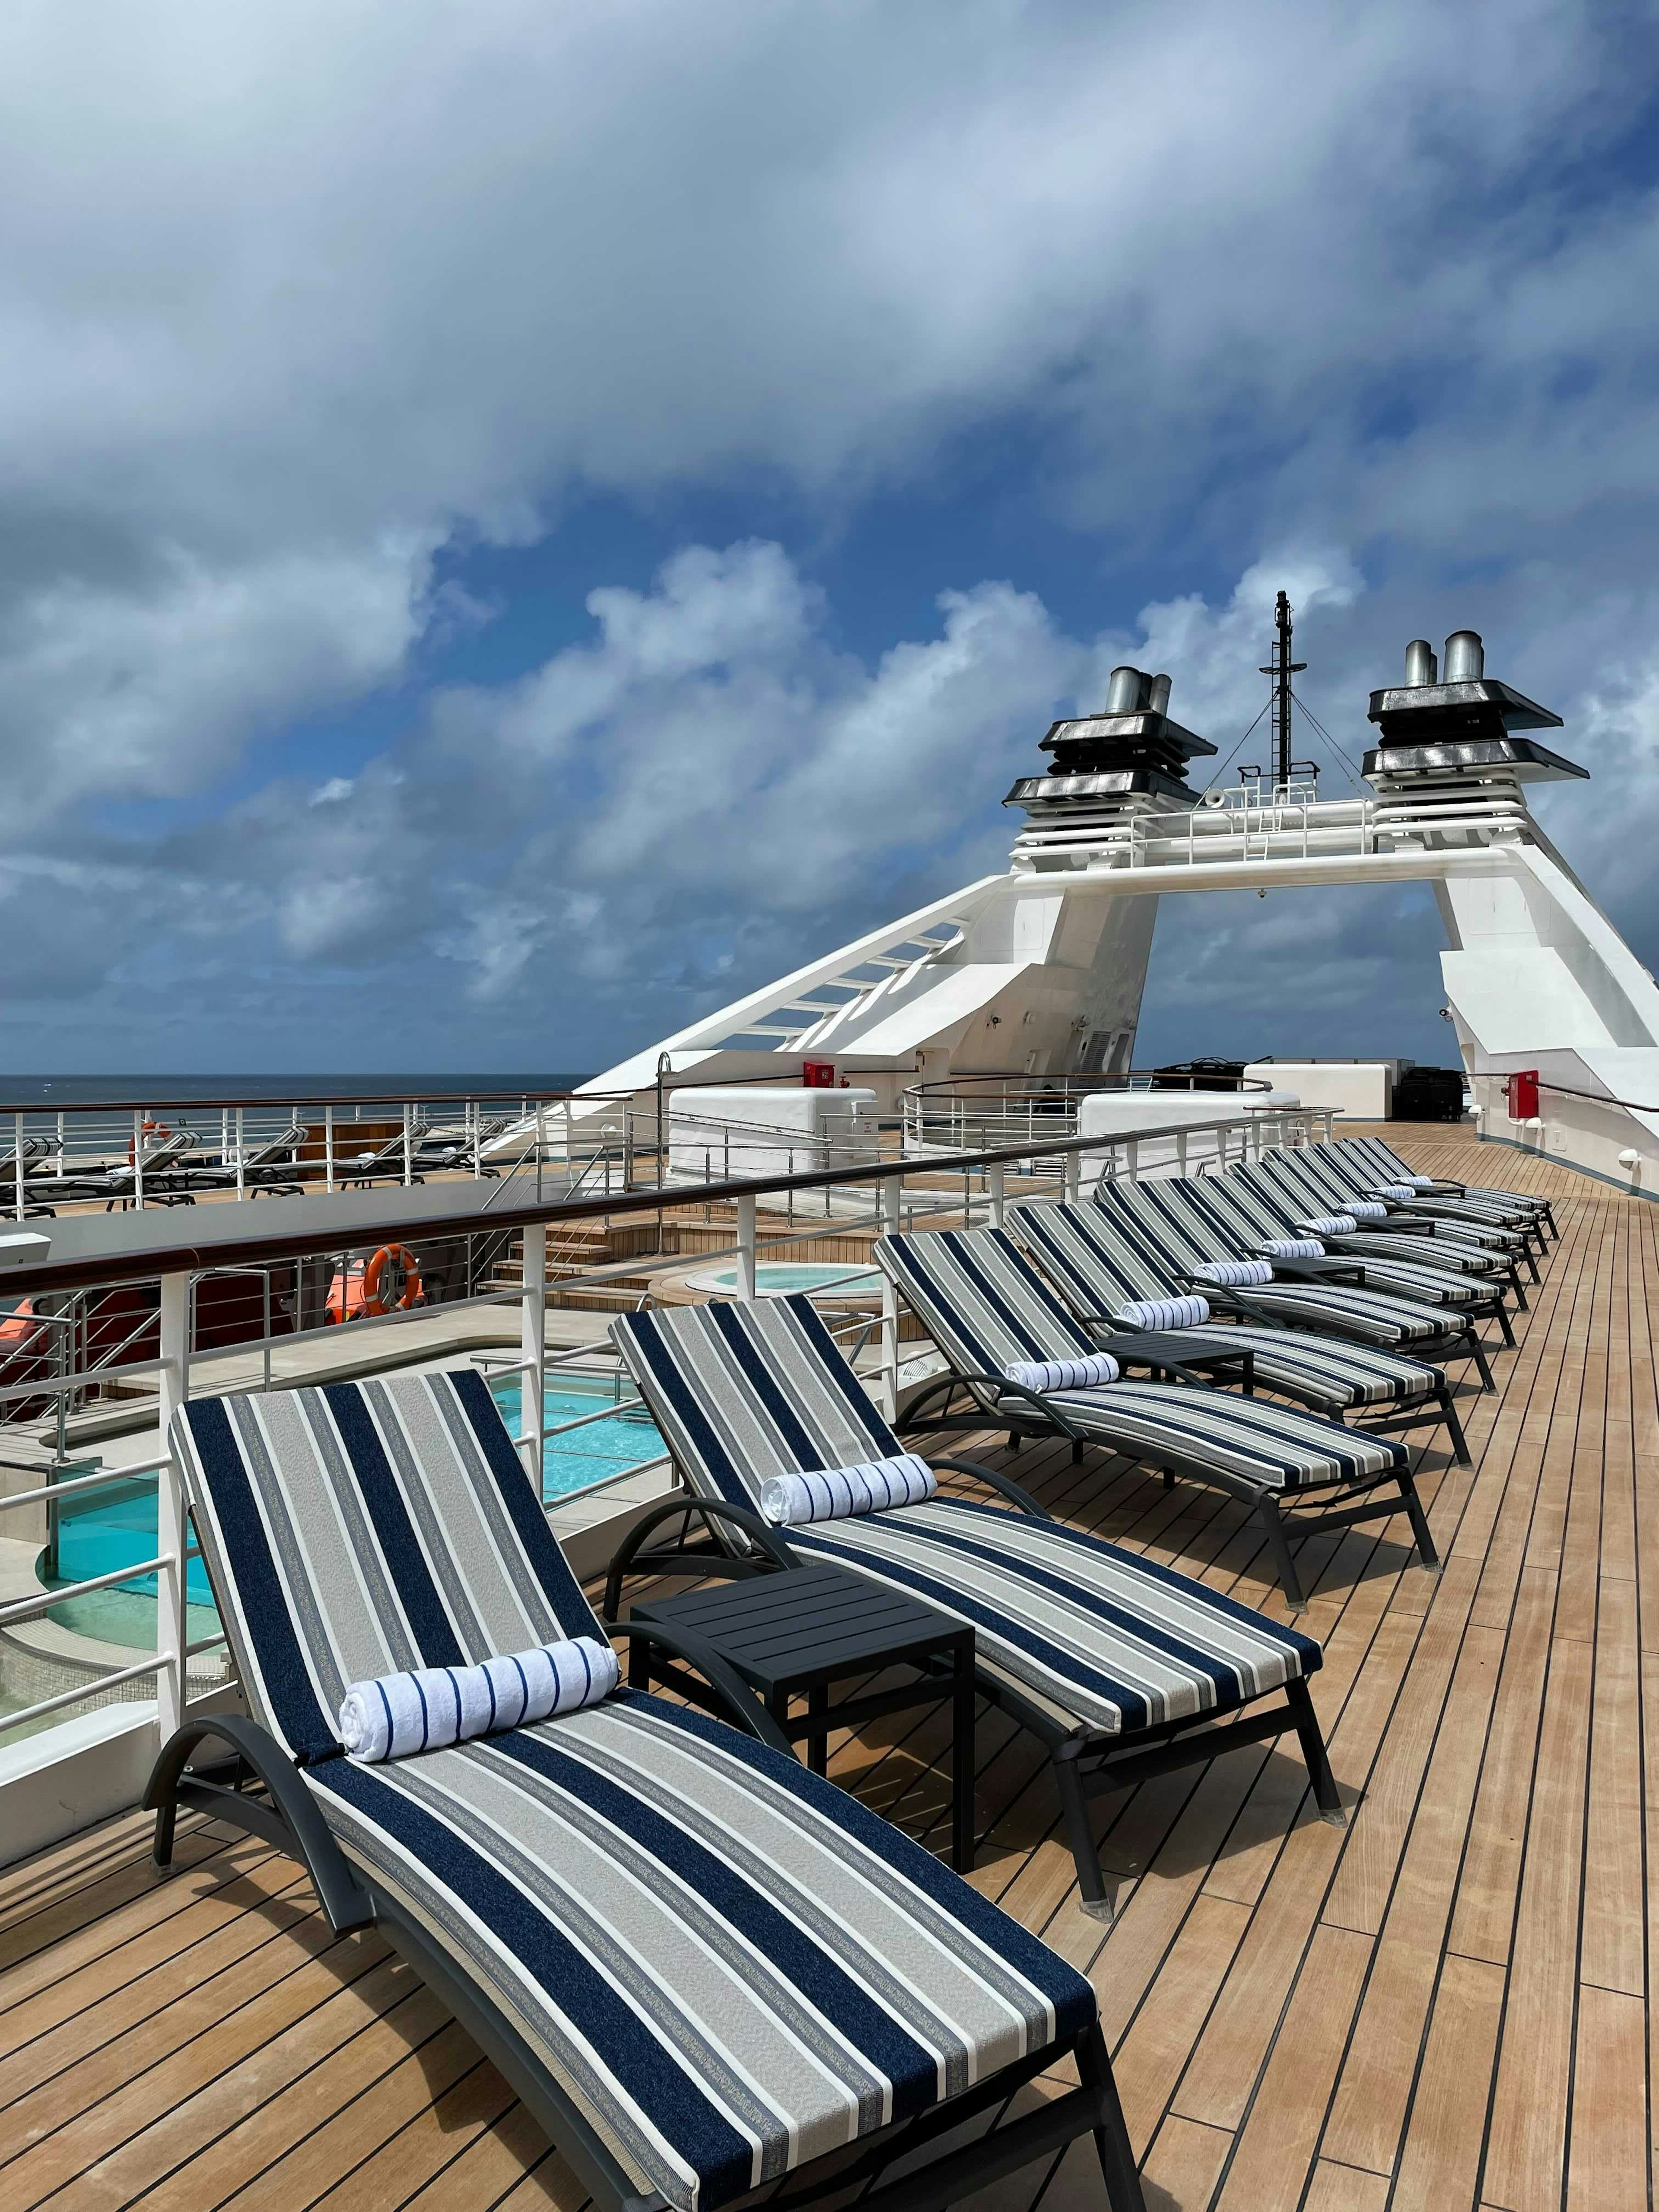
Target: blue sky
[(517, 525)]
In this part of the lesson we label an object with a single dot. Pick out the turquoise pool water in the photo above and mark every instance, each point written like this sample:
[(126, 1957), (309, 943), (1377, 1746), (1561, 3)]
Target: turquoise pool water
[(778, 1278), (589, 1455)]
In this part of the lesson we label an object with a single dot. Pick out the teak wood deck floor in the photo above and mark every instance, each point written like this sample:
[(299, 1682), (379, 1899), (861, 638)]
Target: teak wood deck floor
[(1445, 2006)]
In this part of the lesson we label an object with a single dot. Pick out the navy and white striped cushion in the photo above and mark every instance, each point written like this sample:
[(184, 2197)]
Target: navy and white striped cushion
[(1181, 1222), (1318, 1174), (730, 1966), (1413, 1264), (1372, 1153), (841, 1493), (1158, 1313), (972, 1289), (1083, 1373), (1098, 1636)]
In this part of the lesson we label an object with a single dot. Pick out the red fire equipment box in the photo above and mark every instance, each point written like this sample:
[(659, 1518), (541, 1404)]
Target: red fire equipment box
[(1523, 1095), (818, 1074)]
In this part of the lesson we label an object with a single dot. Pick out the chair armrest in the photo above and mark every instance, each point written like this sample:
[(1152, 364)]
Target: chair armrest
[(1003, 1386), (760, 1533), (999, 1483), (346, 1903), (743, 1707)]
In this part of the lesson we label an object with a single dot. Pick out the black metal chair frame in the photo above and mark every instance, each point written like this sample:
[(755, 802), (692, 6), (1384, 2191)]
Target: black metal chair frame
[(293, 1822), (1087, 1762)]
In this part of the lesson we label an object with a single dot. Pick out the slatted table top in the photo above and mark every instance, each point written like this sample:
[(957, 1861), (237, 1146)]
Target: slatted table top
[(806, 1627)]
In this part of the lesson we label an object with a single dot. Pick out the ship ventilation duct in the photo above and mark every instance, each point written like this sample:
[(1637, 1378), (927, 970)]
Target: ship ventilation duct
[(1127, 756), (1465, 657), (1421, 665), (1454, 733)]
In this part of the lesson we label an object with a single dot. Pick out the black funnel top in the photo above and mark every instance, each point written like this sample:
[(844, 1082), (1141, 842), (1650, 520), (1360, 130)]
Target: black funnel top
[(1104, 755), (1468, 724)]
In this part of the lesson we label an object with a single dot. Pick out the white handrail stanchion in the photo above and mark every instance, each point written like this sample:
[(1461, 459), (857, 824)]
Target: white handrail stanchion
[(746, 1245), (17, 1162), (533, 1343), (241, 1152), (172, 1387), (994, 1183), (1071, 1177), (328, 1146), (408, 1150), (138, 1121), (887, 1196)]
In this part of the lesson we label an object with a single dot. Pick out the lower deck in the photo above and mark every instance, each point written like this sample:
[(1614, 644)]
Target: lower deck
[(1443, 2006)]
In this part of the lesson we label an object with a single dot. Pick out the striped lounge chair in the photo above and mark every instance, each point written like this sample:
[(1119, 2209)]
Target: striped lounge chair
[(988, 1309), (1330, 1179), (701, 1966), (1192, 1222), (1273, 1197), (1385, 1163), (1109, 1659), (1074, 1247)]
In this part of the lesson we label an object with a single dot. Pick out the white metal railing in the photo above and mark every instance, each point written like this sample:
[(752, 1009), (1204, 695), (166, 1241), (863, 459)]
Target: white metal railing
[(883, 1193)]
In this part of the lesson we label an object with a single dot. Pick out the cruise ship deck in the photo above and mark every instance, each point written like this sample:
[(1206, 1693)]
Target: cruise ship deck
[(1443, 2006)]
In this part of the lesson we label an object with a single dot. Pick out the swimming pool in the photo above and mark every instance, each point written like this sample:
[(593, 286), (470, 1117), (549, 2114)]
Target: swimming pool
[(586, 1456), (780, 1278)]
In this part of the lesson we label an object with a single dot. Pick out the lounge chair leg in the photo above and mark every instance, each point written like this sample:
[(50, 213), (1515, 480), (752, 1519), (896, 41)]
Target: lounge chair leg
[(1503, 1313), (1419, 1520), (1169, 1479), (1112, 2144), (1311, 1737), (1478, 1354), (1453, 1427), (1532, 1263), (1077, 1451), (1094, 1896), (1273, 1528), (1515, 1284), (166, 1815)]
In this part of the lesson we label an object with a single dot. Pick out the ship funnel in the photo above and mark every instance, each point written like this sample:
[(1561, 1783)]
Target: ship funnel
[(1421, 666), (1465, 657), (1123, 692), (1157, 699)]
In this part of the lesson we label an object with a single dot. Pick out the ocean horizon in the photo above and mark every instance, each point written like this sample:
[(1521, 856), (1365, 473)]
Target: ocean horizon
[(49, 1090)]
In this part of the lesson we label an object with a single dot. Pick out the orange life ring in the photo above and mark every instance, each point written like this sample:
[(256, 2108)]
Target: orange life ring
[(394, 1266), (20, 1325), (152, 1133)]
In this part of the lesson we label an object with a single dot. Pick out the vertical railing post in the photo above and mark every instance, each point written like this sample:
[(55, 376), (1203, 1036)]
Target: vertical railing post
[(1132, 1158), (172, 1524), (1071, 1177), (532, 1383), (408, 1146), (17, 1162), (476, 1108), (328, 1146), (60, 1170), (140, 1116), (1181, 1152), (994, 1178), (887, 1206), (746, 1244)]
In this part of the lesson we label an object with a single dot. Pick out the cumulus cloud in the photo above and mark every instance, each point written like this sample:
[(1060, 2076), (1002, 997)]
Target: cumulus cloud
[(303, 310)]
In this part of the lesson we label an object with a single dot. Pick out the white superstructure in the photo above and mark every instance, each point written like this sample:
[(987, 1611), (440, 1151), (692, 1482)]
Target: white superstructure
[(1040, 971)]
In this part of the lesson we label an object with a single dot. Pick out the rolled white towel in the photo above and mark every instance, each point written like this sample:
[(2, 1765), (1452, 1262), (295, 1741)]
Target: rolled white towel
[(1290, 1247), (1162, 1313), (1234, 1273), (1065, 1374), (1330, 1224), (1402, 1191), (1367, 1209), (838, 1493), (393, 1716)]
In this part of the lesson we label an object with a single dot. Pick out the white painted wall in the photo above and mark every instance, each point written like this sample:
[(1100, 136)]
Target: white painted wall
[(759, 1132), (1360, 1090)]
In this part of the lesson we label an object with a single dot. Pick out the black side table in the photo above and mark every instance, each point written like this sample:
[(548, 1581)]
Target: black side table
[(790, 1635), (1159, 1350)]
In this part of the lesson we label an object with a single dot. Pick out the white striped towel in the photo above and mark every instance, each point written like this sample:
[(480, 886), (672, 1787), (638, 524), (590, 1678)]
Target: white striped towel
[(1065, 1374), (1234, 1273), (1330, 1224), (1402, 1191), (1290, 1247), (1162, 1313), (1367, 1209), (392, 1716), (837, 1493)]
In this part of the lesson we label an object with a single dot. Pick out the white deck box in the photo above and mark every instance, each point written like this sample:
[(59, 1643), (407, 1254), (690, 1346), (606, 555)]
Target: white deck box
[(739, 1130), (1358, 1089)]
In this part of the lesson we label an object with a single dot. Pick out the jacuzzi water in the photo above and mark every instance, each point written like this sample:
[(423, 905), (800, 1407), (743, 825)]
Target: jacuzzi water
[(105, 1530), (779, 1278)]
